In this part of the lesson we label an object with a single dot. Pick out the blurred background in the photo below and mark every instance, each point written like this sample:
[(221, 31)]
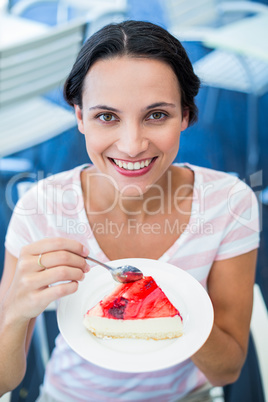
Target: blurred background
[(227, 44)]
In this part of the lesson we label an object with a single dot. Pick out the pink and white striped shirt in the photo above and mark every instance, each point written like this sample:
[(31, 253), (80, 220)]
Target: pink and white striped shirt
[(224, 223)]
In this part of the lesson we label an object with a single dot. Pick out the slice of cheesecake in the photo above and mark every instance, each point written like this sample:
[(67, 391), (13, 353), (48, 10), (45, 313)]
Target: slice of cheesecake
[(135, 310)]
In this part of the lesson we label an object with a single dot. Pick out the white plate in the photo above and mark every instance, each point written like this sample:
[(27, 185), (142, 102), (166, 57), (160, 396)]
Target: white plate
[(138, 355)]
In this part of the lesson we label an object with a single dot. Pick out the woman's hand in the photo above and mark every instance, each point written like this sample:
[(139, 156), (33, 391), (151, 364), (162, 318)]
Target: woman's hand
[(26, 291), (30, 291)]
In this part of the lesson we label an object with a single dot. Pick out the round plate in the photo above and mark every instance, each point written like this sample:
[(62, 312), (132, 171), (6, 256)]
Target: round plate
[(138, 355)]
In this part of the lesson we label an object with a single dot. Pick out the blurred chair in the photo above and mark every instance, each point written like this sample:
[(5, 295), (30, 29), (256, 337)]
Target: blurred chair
[(224, 69), (29, 71)]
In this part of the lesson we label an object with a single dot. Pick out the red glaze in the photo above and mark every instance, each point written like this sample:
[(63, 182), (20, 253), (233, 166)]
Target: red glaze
[(135, 300)]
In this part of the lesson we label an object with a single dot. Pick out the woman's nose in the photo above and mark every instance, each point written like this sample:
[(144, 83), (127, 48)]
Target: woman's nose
[(132, 141)]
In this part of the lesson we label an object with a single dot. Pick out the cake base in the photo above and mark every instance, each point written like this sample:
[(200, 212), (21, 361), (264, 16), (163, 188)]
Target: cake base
[(151, 328)]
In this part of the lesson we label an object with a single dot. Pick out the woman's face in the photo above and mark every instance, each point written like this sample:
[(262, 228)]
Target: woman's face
[(132, 120)]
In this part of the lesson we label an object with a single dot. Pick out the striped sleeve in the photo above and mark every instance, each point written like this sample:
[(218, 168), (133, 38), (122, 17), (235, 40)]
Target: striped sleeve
[(241, 232)]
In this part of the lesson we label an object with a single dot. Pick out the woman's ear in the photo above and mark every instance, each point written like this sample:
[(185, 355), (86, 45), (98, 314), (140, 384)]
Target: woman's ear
[(79, 118), (185, 118)]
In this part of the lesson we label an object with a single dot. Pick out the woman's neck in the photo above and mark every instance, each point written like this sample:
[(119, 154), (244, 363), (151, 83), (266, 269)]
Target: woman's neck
[(102, 197)]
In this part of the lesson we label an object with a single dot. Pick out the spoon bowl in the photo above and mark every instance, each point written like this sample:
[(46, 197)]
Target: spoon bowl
[(123, 274)]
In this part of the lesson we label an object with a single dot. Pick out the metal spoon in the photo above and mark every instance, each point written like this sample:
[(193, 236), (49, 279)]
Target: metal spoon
[(123, 274)]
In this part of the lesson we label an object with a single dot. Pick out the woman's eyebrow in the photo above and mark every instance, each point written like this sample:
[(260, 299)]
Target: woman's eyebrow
[(104, 107), (159, 104), (112, 109)]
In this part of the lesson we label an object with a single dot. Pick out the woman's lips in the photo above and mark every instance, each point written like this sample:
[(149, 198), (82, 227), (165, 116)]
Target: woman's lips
[(133, 169)]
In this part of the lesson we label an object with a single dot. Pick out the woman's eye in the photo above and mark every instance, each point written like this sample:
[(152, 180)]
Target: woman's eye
[(157, 116), (106, 117)]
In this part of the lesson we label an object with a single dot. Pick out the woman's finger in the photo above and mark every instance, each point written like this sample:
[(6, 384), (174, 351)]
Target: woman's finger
[(53, 293), (34, 303), (58, 258), (48, 245), (55, 275)]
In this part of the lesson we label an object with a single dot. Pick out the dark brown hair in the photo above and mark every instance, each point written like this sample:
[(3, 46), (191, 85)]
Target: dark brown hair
[(134, 39)]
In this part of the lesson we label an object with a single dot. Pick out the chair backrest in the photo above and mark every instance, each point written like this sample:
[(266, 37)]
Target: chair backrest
[(40, 65), (185, 13)]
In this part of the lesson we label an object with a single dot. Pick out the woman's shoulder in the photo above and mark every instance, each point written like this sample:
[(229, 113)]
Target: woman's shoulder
[(67, 177), (58, 180), (216, 178), (228, 182), (204, 176), (210, 174), (220, 186), (50, 188)]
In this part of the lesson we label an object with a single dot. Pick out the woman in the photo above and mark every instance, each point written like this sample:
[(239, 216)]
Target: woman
[(133, 89)]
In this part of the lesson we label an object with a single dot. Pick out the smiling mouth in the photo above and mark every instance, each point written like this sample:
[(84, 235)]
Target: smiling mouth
[(133, 165)]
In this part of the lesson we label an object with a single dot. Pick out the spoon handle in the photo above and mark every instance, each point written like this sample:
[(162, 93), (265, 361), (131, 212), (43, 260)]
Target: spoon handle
[(99, 263)]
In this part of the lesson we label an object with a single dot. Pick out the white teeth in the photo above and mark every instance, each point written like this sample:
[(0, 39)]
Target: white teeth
[(133, 166), (137, 165)]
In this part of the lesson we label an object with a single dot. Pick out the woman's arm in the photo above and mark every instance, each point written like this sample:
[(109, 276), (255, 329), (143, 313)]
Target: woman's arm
[(25, 293), (13, 337), (230, 287)]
